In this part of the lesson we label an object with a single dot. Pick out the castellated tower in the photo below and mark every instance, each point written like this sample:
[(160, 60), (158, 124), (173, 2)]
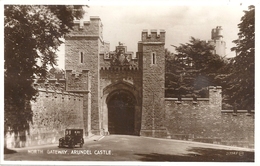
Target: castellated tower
[(152, 56), (122, 94), (82, 67), (217, 41)]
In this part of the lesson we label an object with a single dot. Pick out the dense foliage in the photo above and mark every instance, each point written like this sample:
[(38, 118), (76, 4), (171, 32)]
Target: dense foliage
[(192, 69), (32, 35), (240, 78)]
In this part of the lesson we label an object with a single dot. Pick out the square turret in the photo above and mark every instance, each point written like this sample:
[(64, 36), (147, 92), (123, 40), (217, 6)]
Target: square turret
[(153, 35)]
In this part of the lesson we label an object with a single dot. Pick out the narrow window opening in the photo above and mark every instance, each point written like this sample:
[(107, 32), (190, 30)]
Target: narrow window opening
[(153, 58), (81, 57)]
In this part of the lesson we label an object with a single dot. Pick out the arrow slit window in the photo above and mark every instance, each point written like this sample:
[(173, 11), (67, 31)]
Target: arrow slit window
[(153, 58), (81, 57)]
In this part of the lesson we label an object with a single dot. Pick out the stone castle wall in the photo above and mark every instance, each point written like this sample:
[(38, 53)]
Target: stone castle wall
[(237, 128), (53, 111), (187, 119), (82, 67), (151, 50), (203, 120)]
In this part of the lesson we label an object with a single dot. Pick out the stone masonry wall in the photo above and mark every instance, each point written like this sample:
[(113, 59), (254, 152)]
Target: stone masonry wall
[(85, 41), (237, 129), (153, 90), (153, 83), (53, 112), (204, 121), (86, 75)]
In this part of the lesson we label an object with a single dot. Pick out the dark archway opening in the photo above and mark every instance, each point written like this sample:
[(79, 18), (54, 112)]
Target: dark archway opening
[(121, 113)]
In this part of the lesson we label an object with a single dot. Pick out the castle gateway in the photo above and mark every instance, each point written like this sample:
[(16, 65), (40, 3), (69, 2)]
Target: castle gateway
[(123, 91)]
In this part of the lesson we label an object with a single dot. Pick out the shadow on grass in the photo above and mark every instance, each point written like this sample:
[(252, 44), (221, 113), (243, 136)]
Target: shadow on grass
[(203, 154), (9, 151)]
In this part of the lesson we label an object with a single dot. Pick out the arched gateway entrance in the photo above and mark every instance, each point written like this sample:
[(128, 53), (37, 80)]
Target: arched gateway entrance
[(121, 113)]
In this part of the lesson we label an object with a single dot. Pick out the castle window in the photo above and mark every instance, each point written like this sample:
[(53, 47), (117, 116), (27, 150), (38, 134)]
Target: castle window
[(153, 58), (81, 57)]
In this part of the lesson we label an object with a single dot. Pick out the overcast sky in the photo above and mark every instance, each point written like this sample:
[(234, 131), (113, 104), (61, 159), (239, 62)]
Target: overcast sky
[(125, 23)]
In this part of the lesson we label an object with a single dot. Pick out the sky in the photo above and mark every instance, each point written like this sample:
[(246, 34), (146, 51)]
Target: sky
[(125, 22)]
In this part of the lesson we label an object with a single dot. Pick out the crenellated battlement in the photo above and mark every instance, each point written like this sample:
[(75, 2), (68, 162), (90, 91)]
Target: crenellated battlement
[(217, 41), (153, 35), (214, 95), (216, 33), (54, 88), (235, 112), (50, 84), (91, 28), (120, 59), (125, 68), (214, 100), (215, 88), (91, 18), (203, 120)]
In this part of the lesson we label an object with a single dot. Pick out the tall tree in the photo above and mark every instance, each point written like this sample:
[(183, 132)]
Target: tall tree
[(194, 67), (32, 35), (240, 81)]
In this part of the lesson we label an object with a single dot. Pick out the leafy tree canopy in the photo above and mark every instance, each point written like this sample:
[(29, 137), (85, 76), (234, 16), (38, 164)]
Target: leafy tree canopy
[(32, 35), (192, 69), (241, 77)]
